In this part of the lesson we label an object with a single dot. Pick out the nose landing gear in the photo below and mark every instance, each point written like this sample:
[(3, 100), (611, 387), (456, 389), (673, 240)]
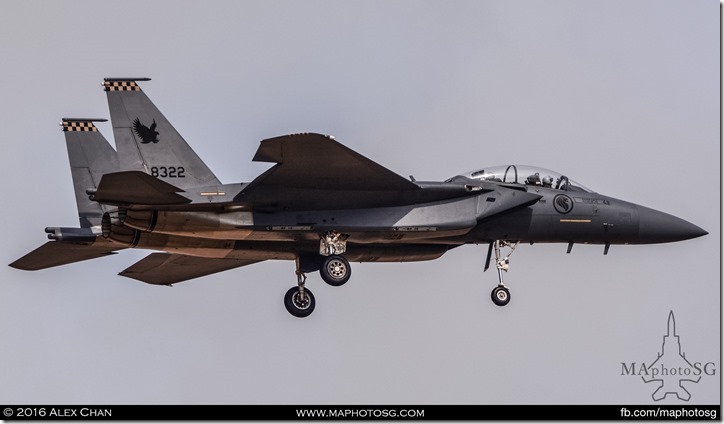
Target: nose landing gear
[(500, 294)]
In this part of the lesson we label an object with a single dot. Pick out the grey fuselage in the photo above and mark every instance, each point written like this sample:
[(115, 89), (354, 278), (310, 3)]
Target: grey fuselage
[(421, 226)]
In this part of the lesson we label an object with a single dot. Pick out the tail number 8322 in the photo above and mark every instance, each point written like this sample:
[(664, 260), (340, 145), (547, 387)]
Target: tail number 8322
[(168, 171)]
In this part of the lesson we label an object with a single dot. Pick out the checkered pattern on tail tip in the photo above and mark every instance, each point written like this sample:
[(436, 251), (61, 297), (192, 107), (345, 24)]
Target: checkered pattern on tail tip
[(78, 126), (121, 86)]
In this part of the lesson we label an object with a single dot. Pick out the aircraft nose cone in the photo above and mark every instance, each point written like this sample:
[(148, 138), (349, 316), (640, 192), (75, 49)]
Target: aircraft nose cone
[(659, 227)]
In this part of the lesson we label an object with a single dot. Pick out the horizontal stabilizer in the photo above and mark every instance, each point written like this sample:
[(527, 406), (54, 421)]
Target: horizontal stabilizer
[(318, 161), (167, 269), (137, 188), (54, 253)]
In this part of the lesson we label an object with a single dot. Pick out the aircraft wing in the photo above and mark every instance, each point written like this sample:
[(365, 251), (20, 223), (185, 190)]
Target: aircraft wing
[(54, 253), (171, 268), (315, 161)]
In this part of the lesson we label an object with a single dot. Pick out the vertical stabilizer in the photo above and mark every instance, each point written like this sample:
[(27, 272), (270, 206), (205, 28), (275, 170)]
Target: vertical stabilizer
[(147, 142), (90, 157)]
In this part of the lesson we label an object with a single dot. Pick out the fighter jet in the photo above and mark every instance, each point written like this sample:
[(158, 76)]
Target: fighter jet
[(321, 205)]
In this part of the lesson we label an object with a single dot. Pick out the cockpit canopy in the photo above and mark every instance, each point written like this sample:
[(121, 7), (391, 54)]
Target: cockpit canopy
[(526, 175)]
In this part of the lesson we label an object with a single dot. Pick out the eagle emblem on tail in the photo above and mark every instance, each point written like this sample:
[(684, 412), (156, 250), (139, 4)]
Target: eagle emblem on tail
[(147, 134)]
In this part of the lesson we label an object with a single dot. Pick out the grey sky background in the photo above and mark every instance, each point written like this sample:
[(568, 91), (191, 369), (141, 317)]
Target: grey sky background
[(621, 96)]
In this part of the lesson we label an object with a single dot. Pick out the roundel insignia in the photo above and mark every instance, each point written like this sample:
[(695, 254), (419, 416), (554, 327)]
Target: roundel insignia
[(563, 203)]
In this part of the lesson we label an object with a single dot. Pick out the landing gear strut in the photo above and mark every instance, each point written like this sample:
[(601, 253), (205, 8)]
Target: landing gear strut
[(501, 293), (332, 243), (299, 300)]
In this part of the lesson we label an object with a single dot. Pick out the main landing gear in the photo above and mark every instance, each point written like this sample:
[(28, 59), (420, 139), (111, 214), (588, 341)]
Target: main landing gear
[(501, 293), (333, 268), (299, 300)]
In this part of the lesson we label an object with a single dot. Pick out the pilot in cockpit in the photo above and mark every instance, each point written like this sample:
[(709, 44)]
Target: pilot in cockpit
[(533, 180), (536, 180)]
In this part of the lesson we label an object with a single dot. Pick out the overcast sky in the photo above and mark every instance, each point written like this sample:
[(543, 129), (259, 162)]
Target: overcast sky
[(621, 96)]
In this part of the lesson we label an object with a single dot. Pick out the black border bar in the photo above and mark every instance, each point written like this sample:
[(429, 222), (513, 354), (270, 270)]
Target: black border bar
[(360, 412)]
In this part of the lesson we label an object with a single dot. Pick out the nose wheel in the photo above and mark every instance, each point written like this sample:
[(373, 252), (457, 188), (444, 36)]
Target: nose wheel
[(501, 294)]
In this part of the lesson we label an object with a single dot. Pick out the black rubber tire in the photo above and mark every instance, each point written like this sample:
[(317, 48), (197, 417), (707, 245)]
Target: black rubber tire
[(500, 296), (293, 305), (335, 270)]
